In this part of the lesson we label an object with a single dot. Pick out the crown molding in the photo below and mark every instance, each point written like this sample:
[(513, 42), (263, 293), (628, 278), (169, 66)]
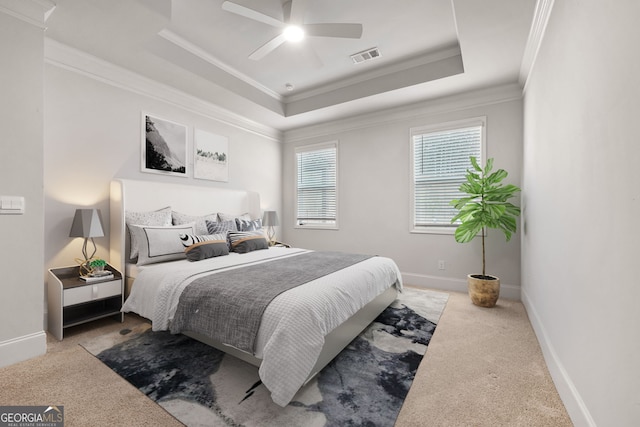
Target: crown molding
[(401, 78), (183, 43), (80, 62), (461, 101), (34, 12), (388, 71), (539, 23)]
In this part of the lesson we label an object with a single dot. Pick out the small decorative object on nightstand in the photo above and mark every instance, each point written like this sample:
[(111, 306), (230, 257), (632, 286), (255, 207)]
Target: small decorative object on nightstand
[(97, 271), (97, 265), (72, 301)]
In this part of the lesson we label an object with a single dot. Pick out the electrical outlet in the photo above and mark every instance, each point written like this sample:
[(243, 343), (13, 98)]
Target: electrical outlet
[(441, 265)]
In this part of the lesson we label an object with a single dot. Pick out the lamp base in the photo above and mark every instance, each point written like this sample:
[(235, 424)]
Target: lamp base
[(271, 235)]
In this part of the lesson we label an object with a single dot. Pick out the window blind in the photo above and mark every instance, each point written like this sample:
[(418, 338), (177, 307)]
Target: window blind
[(440, 162), (316, 186)]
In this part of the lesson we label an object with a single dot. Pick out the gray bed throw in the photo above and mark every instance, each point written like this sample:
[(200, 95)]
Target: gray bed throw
[(228, 306)]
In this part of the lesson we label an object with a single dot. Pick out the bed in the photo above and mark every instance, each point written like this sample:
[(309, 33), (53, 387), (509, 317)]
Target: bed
[(301, 328)]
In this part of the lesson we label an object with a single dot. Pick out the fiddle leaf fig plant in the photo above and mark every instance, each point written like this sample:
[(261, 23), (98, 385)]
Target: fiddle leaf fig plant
[(486, 204)]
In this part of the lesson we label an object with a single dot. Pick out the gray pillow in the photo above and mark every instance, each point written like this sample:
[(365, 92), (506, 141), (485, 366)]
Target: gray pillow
[(198, 248), (247, 241)]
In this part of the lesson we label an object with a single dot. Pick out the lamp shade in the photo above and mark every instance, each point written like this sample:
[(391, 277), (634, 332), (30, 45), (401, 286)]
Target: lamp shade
[(87, 223), (270, 219)]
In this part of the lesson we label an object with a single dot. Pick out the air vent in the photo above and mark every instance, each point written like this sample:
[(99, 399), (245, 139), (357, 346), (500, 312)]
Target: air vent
[(365, 55)]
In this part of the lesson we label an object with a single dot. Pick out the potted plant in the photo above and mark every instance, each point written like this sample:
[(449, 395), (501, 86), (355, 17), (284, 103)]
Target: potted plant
[(97, 265), (485, 206)]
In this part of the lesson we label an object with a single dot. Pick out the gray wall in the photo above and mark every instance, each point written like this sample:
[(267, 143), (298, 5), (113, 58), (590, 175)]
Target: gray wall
[(94, 135), (21, 237), (582, 204), (374, 190)]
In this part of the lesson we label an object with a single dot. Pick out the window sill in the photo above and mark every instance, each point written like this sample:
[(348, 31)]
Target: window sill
[(433, 230), (316, 227)]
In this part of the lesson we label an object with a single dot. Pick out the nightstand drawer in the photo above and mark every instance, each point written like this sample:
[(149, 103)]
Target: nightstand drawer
[(92, 292)]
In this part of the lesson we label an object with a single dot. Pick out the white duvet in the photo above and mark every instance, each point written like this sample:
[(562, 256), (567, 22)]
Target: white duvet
[(294, 324)]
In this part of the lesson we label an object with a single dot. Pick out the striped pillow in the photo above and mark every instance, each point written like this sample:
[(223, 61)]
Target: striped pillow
[(221, 227), (247, 241), (199, 247), (248, 224)]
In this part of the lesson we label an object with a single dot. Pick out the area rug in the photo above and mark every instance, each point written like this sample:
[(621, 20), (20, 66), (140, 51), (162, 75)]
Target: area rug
[(365, 385)]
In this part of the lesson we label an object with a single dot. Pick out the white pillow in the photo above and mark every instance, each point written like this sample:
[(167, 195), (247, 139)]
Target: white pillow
[(159, 244), (228, 217), (161, 217), (200, 220)]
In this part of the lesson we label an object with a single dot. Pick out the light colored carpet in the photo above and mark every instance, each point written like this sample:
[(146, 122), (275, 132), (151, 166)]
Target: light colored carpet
[(483, 367)]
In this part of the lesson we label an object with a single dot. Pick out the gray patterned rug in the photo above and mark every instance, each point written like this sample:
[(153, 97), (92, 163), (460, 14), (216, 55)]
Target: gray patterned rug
[(365, 385)]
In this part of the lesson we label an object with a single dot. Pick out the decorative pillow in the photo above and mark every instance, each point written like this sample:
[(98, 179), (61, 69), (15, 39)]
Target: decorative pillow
[(221, 227), (248, 225), (161, 217), (204, 246), (227, 217), (199, 220), (159, 244), (247, 241)]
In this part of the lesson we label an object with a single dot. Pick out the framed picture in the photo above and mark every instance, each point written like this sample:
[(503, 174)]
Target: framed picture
[(211, 156), (164, 146)]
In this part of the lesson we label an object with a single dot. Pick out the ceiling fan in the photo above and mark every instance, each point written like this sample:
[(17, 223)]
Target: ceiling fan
[(293, 26)]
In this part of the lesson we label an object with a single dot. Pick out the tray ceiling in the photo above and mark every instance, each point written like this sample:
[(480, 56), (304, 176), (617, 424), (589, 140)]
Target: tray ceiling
[(429, 49)]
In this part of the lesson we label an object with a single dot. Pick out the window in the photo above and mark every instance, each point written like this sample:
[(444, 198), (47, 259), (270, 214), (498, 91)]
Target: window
[(440, 159), (316, 186)]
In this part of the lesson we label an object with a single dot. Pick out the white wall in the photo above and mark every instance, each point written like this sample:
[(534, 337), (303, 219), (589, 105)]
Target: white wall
[(93, 135), (374, 190), (582, 205), (21, 238)]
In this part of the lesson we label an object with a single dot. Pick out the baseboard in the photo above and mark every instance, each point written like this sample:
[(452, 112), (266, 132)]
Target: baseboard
[(507, 291), (578, 411), (22, 348)]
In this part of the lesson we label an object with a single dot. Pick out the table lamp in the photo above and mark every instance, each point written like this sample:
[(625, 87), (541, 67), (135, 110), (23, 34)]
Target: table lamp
[(270, 220), (87, 223)]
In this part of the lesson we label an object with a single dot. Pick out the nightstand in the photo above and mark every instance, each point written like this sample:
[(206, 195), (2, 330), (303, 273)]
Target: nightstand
[(72, 301)]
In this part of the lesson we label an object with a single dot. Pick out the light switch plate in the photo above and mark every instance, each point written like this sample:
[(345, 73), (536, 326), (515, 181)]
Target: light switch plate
[(11, 205)]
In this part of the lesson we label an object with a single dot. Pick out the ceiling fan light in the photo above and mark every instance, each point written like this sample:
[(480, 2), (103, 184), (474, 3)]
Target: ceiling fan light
[(293, 33)]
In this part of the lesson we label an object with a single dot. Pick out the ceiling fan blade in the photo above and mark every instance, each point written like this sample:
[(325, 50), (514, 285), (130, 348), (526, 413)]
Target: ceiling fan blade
[(348, 31), (251, 14), (297, 11), (267, 48)]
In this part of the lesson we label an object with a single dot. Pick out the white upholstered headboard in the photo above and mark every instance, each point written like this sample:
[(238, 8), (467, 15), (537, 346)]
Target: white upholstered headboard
[(140, 196)]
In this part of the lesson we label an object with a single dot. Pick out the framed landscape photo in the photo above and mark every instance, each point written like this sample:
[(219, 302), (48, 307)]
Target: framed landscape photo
[(164, 146), (211, 156)]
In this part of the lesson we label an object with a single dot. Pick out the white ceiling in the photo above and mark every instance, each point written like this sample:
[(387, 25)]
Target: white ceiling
[(429, 49)]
